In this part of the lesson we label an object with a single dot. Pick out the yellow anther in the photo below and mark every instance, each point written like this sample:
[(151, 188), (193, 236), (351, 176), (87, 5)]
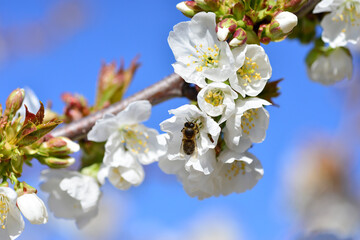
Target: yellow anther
[(214, 97), (341, 17)]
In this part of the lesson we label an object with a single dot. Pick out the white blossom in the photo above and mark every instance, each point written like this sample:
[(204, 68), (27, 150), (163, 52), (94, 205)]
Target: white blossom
[(342, 24), (124, 131), (233, 172), (250, 79), (217, 99), (332, 68), (33, 208), (248, 125), (72, 195), (195, 182), (238, 172), (125, 171), (206, 137), (287, 21), (198, 52), (11, 222)]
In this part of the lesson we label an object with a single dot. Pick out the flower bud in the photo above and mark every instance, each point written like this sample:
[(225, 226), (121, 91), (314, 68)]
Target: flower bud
[(188, 8), (76, 106), (59, 146), (57, 162), (328, 66), (293, 5), (287, 21), (208, 5), (14, 101), (278, 28), (239, 38), (225, 27), (239, 10), (33, 208)]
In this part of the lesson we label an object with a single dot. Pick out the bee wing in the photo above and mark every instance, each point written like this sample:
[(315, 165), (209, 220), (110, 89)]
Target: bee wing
[(184, 155), (182, 152)]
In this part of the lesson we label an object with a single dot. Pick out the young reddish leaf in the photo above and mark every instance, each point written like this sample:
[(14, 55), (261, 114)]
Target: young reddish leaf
[(40, 114), (29, 117), (271, 91), (41, 130)]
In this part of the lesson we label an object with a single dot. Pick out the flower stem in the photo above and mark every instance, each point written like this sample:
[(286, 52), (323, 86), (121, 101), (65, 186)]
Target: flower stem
[(306, 8)]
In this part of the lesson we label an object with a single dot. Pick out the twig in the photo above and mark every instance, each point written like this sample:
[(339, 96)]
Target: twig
[(170, 87), (306, 8)]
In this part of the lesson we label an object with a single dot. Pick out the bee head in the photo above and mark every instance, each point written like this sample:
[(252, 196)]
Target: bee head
[(189, 124)]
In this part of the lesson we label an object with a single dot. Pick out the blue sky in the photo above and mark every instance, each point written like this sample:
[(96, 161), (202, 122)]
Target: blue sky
[(69, 60)]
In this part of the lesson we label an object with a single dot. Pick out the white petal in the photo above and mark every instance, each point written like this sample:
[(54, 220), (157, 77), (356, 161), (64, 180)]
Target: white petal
[(124, 177), (287, 21), (240, 172), (103, 128), (33, 208)]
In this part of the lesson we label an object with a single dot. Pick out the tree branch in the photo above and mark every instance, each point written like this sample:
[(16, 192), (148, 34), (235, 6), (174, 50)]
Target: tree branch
[(170, 87)]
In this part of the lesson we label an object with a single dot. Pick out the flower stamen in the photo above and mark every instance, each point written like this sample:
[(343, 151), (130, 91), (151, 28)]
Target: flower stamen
[(206, 58), (247, 120), (134, 140), (248, 71), (214, 96), (4, 210)]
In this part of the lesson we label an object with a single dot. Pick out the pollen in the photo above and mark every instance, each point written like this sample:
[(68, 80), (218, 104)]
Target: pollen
[(235, 169), (349, 14), (248, 72), (214, 96), (248, 120), (134, 140), (205, 57), (4, 210)]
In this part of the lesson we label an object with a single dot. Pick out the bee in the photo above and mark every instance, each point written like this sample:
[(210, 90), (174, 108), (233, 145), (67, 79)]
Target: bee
[(190, 132)]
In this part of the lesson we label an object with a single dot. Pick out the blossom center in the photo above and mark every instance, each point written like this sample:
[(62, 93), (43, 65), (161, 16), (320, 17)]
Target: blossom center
[(248, 120), (214, 96), (134, 140), (206, 57), (348, 13), (248, 71), (4, 210), (235, 169)]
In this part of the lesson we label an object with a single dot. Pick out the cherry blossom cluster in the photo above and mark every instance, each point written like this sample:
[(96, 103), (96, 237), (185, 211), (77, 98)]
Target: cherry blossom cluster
[(208, 142), (205, 144)]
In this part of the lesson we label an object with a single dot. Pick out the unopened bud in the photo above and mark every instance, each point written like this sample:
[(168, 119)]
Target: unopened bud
[(239, 38), (287, 21), (238, 10), (294, 5), (59, 146), (279, 28), (188, 8), (57, 162), (225, 27), (15, 100), (208, 5)]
